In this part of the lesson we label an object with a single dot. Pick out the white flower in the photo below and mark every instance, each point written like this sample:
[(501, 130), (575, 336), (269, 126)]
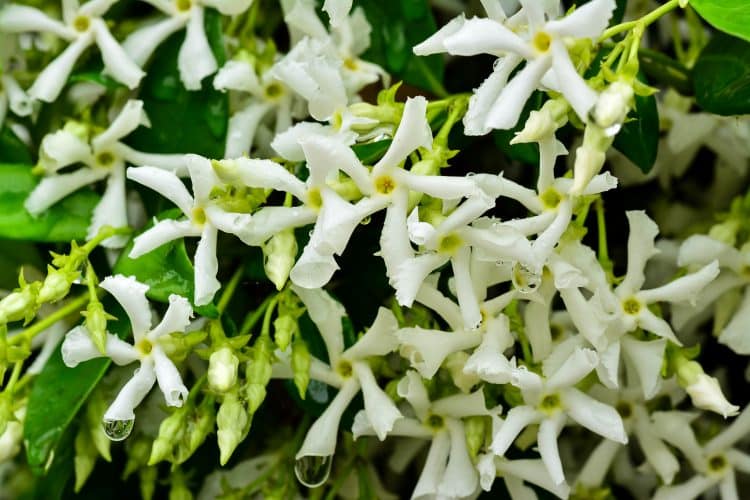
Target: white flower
[(82, 26), (103, 157), (542, 45), (195, 59), (155, 366), (204, 217)]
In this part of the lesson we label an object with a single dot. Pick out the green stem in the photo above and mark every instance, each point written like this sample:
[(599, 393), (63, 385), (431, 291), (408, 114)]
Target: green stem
[(228, 292), (104, 233), (266, 328), (74, 305), (14, 377), (643, 22), (252, 319), (601, 225)]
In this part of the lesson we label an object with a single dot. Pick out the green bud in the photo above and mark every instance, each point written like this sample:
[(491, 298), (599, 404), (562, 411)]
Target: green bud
[(279, 255), (284, 328), (475, 428), (725, 232), (56, 285), (147, 478), (6, 411), (138, 450), (96, 324), (179, 346), (199, 425), (179, 489), (85, 458), (171, 431), (255, 394), (232, 422), (301, 366), (222, 370), (17, 305)]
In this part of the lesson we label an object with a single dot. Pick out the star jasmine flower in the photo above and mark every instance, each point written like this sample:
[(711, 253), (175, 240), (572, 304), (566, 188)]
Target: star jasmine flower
[(549, 401), (204, 218), (515, 473), (103, 157), (13, 97), (82, 26), (337, 10), (351, 370), (195, 59), (448, 470), (715, 463), (155, 366), (542, 46)]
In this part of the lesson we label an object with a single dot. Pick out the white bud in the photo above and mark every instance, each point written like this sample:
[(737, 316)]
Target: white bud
[(589, 162), (222, 369), (540, 125), (613, 104), (706, 394)]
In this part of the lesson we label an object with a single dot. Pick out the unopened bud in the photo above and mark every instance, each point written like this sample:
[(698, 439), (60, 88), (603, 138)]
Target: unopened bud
[(589, 161), (284, 328), (222, 369), (613, 105), (56, 285), (226, 170), (10, 440), (231, 422), (301, 366), (279, 255), (16, 305), (170, 431), (96, 324), (706, 393)]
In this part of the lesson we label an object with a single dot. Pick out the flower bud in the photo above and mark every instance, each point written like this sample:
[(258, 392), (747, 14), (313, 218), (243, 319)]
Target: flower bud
[(279, 255), (16, 305), (613, 104), (301, 366), (56, 285), (231, 421), (222, 370), (588, 163), (706, 393), (475, 428), (10, 441), (284, 328), (96, 324), (170, 431), (226, 170)]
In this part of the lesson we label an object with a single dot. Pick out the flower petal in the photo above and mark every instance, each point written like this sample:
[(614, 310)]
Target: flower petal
[(15, 18), (168, 378), (327, 314), (427, 349), (593, 415), (586, 21), (50, 82), (411, 388), (242, 127), (163, 232), (166, 184), (54, 188), (195, 59), (435, 44), (641, 248), (507, 108), (111, 209), (381, 411), (434, 468), (413, 132), (132, 393), (116, 60), (547, 442), (131, 294), (378, 340), (485, 36), (176, 318), (130, 118), (460, 479), (575, 89), (264, 174), (78, 347), (206, 266), (518, 419), (141, 43)]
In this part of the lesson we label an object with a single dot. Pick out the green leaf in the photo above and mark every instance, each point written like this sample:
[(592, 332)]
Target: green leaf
[(730, 16), (12, 149), (57, 395), (57, 478), (183, 121), (65, 221), (721, 76), (638, 139), (396, 28), (14, 255), (371, 152), (166, 270)]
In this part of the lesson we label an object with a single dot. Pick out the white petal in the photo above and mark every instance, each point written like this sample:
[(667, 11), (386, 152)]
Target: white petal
[(438, 186), (174, 163), (338, 219), (195, 59), (130, 118), (547, 441), (378, 340), (427, 349), (656, 325), (507, 108), (227, 222), (412, 389), (111, 209), (325, 154), (460, 478), (262, 174), (19, 101), (447, 309), (485, 36), (548, 239), (435, 44), (202, 177), (206, 266), (461, 406), (78, 347), (381, 411), (327, 314), (487, 361), (141, 43), (16, 18), (646, 358), (576, 367), (242, 127), (534, 472), (394, 237), (674, 428), (96, 8), (176, 318), (54, 188), (587, 21), (683, 289), (434, 468), (163, 232), (598, 463), (337, 10), (687, 490), (736, 335), (168, 378), (287, 143), (313, 269), (229, 7), (131, 295), (320, 440), (467, 298), (581, 97), (518, 419), (413, 132), (641, 248), (302, 17), (166, 184), (116, 60), (237, 75), (595, 416), (267, 221), (657, 453), (50, 82), (132, 394), (480, 103)]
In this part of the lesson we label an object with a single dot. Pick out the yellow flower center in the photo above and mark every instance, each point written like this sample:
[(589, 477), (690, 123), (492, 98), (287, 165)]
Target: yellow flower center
[(144, 347), (542, 41), (81, 23), (183, 5), (273, 90), (105, 159), (625, 409), (199, 216), (449, 243), (314, 199), (344, 368), (350, 63), (550, 198), (549, 403), (385, 184), (631, 306), (435, 422)]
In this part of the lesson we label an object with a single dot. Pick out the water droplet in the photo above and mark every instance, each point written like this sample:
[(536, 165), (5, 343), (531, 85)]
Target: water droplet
[(117, 430), (313, 471)]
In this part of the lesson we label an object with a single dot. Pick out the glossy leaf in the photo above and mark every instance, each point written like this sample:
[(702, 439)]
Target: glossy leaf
[(729, 16), (65, 221), (183, 121), (396, 28), (12, 149), (371, 152), (166, 270), (638, 139), (721, 76)]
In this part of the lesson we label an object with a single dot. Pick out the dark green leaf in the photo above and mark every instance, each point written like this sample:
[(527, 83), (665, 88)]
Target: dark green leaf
[(13, 255), (64, 221), (57, 395), (96, 77), (730, 16), (166, 270), (372, 152), (183, 121), (12, 149), (721, 76), (396, 28), (56, 480), (638, 139)]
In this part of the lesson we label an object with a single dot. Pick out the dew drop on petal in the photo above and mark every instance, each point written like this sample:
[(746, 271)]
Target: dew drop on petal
[(117, 430), (312, 471)]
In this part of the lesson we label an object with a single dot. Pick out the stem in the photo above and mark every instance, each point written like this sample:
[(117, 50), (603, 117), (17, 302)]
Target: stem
[(226, 296), (266, 328), (104, 233), (643, 22), (601, 226), (252, 318), (14, 377), (74, 305)]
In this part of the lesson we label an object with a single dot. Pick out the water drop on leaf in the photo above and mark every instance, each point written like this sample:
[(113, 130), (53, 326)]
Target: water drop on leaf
[(117, 430), (313, 471)]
